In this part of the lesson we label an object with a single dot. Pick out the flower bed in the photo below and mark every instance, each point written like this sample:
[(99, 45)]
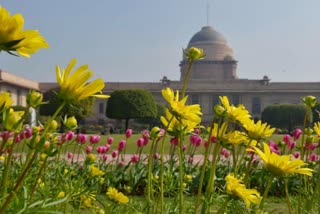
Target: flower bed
[(240, 165)]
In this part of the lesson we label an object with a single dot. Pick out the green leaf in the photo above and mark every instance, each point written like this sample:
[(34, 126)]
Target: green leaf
[(55, 202)]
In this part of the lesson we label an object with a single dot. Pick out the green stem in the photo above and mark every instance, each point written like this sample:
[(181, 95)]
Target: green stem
[(287, 195), (203, 168), (38, 176), (181, 205), (7, 167), (150, 160), (265, 194), (186, 77), (18, 184)]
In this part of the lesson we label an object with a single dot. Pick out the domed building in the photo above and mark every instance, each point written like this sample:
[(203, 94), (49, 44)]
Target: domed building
[(219, 63)]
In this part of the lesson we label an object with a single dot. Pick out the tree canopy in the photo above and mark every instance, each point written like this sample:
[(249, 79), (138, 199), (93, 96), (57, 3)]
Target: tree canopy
[(131, 104), (79, 110), (285, 116)]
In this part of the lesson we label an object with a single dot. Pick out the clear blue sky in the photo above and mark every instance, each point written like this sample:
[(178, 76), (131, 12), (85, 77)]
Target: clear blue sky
[(142, 40)]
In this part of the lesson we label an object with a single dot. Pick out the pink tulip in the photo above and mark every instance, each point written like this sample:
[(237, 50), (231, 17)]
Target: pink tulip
[(197, 131), (174, 141), (82, 138), (184, 147), (88, 149), (128, 133), (28, 133), (225, 153), (69, 155), (134, 158), (110, 140), (94, 139), (291, 144), (69, 135), (140, 142), (121, 145), (296, 134), (313, 157), (114, 154), (296, 154), (105, 157), (286, 138), (213, 139)]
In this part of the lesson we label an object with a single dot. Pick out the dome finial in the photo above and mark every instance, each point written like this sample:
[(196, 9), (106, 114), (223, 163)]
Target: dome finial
[(208, 7)]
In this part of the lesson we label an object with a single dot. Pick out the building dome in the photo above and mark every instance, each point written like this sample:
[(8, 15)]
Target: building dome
[(208, 34), (213, 43)]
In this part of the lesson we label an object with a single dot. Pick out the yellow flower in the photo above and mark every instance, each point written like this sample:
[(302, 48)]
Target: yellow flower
[(236, 137), (61, 194), (188, 178), (281, 165), (71, 122), (14, 38), (5, 101), (74, 87), (257, 130), (53, 125), (34, 99), (236, 188), (91, 158), (13, 120), (177, 125), (310, 101), (95, 171), (233, 113), (316, 128), (117, 196), (194, 54), (87, 201), (179, 109)]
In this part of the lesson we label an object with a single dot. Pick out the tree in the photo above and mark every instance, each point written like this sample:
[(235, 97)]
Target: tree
[(131, 104), (79, 110), (285, 116), (156, 120)]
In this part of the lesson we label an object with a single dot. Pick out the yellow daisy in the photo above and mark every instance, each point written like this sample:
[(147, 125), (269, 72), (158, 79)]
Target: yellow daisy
[(176, 125), (95, 171), (281, 165), (5, 101), (14, 38), (74, 87), (316, 127), (239, 113), (117, 196), (179, 109), (257, 130), (236, 188)]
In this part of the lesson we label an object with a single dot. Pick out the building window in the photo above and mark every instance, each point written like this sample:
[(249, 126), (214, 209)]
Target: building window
[(256, 105), (235, 100), (195, 99), (101, 108), (214, 100)]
